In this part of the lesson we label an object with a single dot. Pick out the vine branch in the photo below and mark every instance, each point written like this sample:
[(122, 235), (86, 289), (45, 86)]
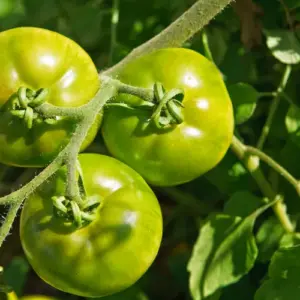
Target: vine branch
[(266, 129), (15, 199), (276, 166), (251, 163), (181, 30)]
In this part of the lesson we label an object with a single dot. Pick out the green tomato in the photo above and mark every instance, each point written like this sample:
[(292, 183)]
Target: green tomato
[(109, 254), (37, 58), (172, 156)]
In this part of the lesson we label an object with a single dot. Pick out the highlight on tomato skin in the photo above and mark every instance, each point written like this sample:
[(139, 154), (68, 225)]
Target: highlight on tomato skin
[(181, 152), (113, 251), (52, 62)]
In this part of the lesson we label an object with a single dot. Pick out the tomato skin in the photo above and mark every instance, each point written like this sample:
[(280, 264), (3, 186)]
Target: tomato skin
[(37, 58), (110, 253), (173, 156)]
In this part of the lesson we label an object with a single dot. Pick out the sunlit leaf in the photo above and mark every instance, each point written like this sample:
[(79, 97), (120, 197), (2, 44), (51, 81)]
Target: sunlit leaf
[(244, 98), (284, 45)]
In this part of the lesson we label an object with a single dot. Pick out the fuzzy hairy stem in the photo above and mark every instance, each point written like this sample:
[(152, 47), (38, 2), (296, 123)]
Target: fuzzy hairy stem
[(9, 219), (266, 129), (16, 198), (185, 27)]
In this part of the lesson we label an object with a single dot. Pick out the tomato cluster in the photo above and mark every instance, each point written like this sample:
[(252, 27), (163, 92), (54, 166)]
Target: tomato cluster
[(186, 132)]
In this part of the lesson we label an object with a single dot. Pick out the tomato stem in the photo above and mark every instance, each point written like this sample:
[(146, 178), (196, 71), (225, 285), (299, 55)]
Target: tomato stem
[(90, 112), (251, 160), (177, 33), (279, 92)]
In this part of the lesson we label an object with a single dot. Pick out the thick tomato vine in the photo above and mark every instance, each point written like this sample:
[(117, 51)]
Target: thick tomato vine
[(110, 253), (185, 151), (37, 58)]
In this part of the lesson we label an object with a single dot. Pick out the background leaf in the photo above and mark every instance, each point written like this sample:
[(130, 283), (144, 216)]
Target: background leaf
[(244, 98), (284, 46), (268, 238), (223, 253), (284, 276), (242, 204)]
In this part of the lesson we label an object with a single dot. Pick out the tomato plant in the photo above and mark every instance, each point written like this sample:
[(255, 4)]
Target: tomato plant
[(183, 152), (110, 253), (51, 61)]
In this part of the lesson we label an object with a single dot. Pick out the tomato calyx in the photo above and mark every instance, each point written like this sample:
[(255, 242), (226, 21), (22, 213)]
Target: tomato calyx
[(78, 208), (81, 214), (168, 108), (22, 104), (165, 109)]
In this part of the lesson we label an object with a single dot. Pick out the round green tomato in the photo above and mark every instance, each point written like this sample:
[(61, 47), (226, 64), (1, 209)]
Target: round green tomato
[(167, 157), (109, 254), (37, 58)]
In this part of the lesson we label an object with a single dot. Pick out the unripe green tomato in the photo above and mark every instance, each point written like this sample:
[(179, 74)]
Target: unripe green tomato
[(175, 155), (109, 254), (37, 58)]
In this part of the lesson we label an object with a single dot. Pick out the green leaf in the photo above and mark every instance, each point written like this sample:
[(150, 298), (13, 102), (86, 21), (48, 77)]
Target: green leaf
[(224, 252), (289, 240), (268, 238), (15, 274), (229, 175), (279, 289), (284, 276), (238, 64), (242, 204), (284, 261), (284, 46), (244, 98)]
